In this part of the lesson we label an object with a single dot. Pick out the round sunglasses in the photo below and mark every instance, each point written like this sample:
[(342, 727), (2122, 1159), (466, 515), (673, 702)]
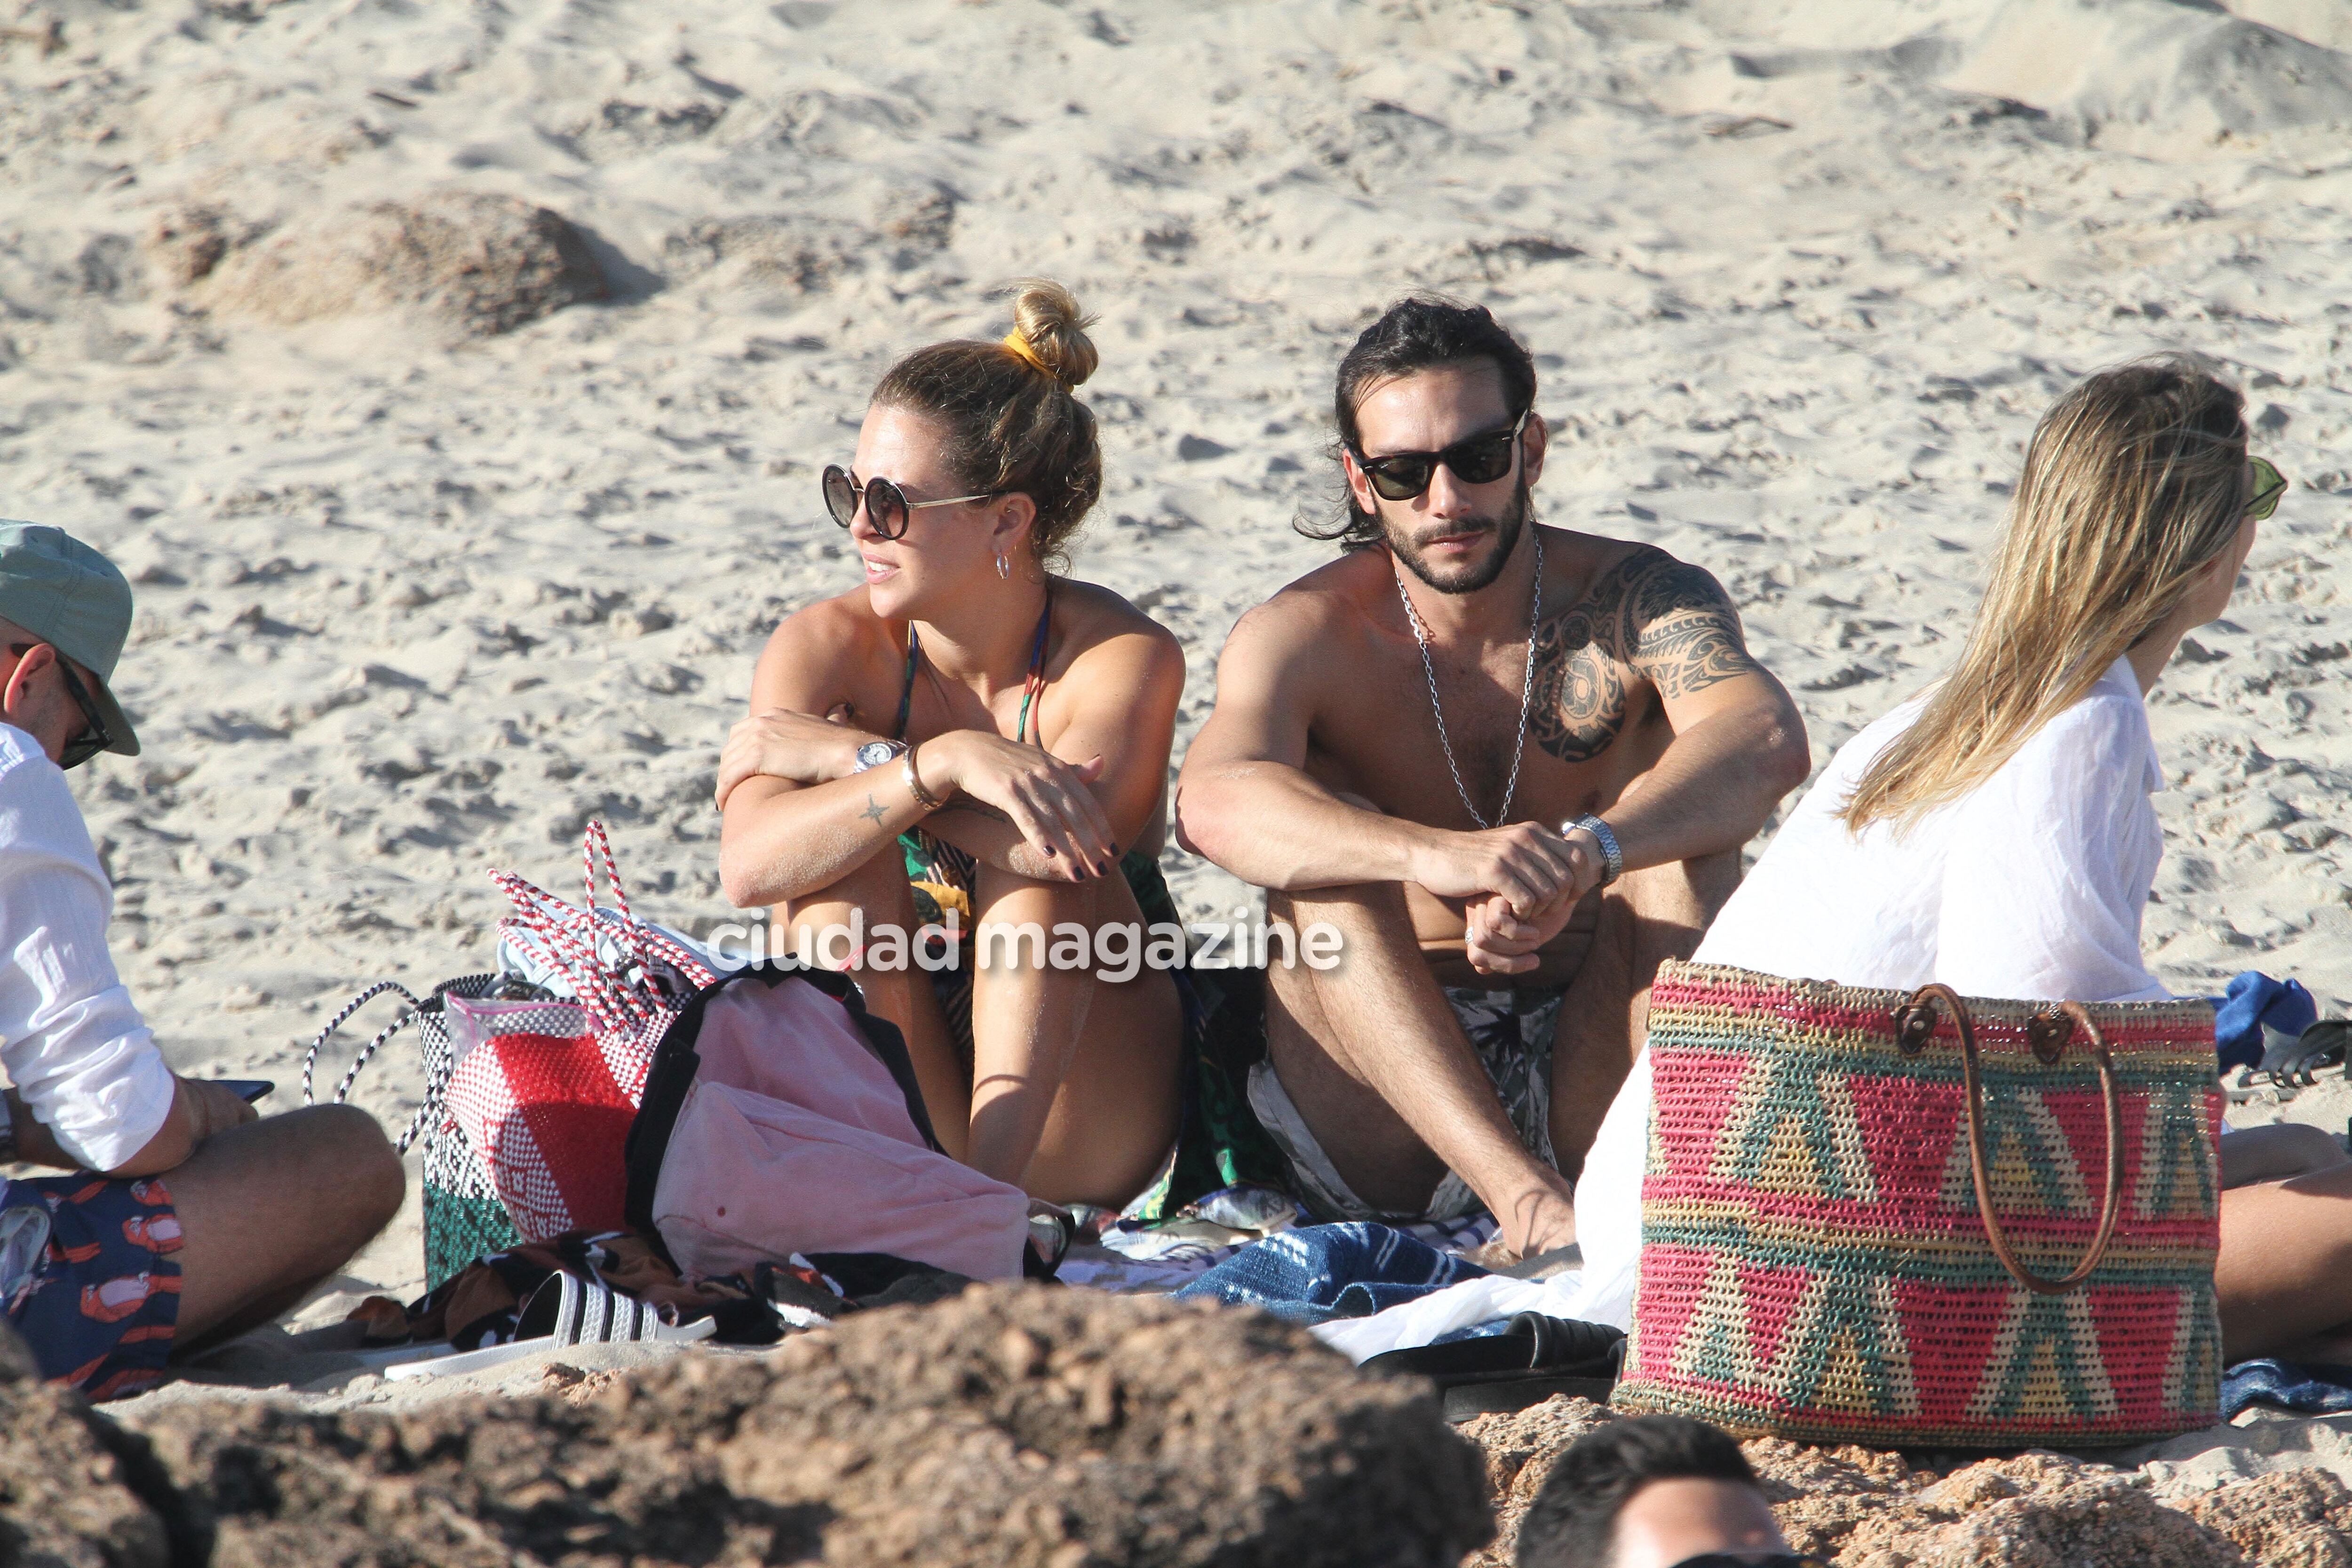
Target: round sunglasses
[(2269, 486), (886, 506), (1473, 459)]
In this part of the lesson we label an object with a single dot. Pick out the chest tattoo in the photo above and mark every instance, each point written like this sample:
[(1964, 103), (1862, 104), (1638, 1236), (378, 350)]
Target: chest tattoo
[(1580, 698), (1649, 617)]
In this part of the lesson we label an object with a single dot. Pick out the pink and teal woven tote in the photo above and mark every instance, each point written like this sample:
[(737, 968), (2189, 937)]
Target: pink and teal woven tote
[(1915, 1220)]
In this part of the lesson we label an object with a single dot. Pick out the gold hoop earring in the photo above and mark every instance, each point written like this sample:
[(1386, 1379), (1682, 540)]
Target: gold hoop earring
[(1003, 567)]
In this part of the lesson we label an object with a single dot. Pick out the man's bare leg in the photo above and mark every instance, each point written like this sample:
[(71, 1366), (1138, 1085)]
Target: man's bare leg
[(1647, 918), (268, 1209), (1074, 1094), (878, 892), (1352, 1043)]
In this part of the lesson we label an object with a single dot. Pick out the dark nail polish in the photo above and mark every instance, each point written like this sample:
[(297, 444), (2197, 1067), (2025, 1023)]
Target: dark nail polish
[(1049, 851)]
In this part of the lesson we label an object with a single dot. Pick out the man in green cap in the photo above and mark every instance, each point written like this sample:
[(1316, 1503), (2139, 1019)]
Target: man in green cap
[(188, 1219)]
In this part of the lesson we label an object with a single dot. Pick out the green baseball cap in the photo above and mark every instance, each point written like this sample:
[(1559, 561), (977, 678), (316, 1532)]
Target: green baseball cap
[(77, 601)]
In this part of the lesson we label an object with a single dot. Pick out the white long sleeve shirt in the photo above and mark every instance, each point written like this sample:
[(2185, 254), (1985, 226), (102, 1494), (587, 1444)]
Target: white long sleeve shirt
[(2030, 887), (74, 1046)]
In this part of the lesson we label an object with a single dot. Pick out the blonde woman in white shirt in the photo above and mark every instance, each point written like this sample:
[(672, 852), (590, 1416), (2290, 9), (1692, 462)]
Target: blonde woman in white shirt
[(1996, 832)]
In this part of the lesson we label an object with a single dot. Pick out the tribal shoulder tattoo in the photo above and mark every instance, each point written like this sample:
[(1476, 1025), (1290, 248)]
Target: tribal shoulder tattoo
[(1650, 618)]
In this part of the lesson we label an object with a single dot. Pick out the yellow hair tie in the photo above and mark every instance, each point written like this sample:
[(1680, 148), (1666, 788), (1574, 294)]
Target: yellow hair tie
[(1027, 355)]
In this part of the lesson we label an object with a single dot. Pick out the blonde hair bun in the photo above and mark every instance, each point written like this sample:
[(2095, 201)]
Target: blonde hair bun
[(1049, 330)]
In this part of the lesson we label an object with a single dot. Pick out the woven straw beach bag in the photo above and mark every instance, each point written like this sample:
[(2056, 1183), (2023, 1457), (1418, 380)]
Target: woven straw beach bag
[(1915, 1220)]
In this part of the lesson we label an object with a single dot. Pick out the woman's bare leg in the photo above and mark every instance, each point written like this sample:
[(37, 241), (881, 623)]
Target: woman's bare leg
[(2285, 1274), (878, 892), (1075, 1093)]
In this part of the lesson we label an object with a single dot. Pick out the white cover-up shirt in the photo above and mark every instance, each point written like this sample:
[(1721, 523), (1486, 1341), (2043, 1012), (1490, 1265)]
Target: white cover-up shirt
[(2030, 886), (73, 1044)]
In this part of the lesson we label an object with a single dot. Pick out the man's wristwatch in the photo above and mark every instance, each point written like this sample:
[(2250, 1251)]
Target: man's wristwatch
[(875, 753), (1608, 841)]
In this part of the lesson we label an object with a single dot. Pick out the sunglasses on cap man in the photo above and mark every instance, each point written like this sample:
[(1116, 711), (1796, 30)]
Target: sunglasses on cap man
[(1475, 460), (94, 737)]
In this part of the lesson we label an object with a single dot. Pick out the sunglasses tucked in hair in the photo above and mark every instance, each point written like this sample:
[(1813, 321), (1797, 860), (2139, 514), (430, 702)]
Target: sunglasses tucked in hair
[(1475, 460), (2269, 486), (886, 506), (94, 738)]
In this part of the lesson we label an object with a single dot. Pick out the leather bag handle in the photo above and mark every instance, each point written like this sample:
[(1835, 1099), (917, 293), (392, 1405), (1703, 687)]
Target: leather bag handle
[(2048, 1032)]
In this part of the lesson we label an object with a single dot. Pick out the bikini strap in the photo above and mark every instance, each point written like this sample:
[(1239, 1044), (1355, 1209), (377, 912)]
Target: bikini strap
[(907, 692), (1030, 689), (1035, 686)]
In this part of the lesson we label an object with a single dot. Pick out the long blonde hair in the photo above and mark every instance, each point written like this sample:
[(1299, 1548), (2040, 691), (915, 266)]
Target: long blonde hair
[(2134, 481)]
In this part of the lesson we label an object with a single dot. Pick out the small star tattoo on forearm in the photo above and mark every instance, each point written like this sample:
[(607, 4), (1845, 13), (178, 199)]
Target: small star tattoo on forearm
[(872, 812)]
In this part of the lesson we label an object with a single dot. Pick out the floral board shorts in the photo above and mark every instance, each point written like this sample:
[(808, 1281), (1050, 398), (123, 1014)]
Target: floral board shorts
[(1512, 1033), (92, 1278)]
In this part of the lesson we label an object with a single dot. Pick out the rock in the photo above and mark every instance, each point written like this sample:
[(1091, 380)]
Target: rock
[(185, 243), (2035, 1510), (1819, 1495), (1861, 1507), (76, 1490), (1007, 1427), (2292, 1519), (479, 264), (1520, 1449)]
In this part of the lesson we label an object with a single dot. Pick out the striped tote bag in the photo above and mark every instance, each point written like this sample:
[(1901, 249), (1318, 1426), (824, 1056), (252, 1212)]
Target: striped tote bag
[(1915, 1220)]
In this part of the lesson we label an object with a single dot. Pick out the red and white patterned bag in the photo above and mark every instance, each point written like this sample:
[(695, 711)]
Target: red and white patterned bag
[(544, 1092)]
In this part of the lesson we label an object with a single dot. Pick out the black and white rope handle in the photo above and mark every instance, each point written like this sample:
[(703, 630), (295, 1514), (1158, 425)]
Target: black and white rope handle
[(408, 1015)]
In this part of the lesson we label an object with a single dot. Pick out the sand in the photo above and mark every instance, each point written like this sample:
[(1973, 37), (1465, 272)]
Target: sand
[(446, 541)]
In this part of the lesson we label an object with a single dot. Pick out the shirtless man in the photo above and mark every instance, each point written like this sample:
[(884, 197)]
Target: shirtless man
[(1375, 718)]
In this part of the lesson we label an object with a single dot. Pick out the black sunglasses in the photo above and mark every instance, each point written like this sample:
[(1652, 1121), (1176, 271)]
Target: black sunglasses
[(1474, 459), (94, 739), (886, 506)]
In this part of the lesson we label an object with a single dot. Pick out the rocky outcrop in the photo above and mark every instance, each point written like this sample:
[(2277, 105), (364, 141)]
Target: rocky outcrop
[(2294, 1518), (473, 263), (1015, 1427), (1859, 1508)]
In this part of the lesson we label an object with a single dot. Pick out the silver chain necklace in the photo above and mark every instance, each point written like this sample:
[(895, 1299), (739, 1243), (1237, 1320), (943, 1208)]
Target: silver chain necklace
[(1527, 694)]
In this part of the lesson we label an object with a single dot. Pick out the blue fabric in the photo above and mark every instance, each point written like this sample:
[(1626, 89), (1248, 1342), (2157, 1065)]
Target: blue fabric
[(2254, 1001), (1318, 1272), (2307, 1390)]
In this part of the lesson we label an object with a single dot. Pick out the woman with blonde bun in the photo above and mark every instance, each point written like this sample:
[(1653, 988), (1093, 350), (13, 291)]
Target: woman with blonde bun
[(970, 738)]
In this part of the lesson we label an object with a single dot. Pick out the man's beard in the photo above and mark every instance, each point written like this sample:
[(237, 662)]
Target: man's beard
[(1470, 578)]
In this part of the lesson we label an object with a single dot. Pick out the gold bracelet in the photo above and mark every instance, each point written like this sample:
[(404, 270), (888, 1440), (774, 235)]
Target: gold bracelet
[(923, 798)]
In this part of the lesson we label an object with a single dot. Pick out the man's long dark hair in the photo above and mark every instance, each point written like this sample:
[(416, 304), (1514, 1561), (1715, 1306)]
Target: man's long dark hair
[(1420, 332)]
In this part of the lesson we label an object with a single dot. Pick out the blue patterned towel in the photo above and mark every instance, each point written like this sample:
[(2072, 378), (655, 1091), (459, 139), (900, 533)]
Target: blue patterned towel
[(1319, 1272), (2306, 1390)]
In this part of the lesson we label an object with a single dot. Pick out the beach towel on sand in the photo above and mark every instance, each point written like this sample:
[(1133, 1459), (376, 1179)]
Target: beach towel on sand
[(1319, 1272)]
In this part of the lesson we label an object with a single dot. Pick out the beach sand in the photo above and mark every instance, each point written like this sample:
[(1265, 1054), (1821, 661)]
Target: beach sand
[(455, 524)]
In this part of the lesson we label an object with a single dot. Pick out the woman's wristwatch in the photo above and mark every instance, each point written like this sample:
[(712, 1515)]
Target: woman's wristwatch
[(1610, 853), (875, 753)]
